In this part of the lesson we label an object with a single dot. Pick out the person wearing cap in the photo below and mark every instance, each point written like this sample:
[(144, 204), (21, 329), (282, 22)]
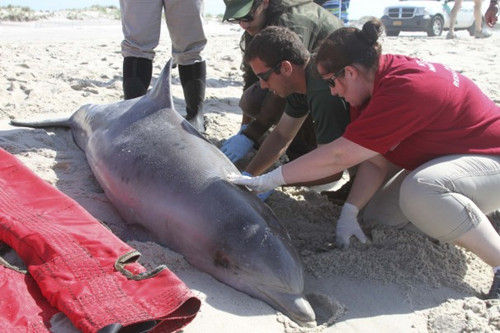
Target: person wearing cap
[(141, 22), (261, 108), (427, 141)]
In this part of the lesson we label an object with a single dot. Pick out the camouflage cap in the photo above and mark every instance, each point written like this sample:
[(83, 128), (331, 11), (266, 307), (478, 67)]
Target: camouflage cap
[(237, 8)]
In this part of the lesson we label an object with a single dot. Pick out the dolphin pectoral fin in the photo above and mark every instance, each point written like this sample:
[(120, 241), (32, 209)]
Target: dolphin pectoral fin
[(59, 122)]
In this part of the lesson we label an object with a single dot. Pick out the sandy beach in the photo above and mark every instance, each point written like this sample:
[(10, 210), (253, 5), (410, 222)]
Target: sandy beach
[(399, 282)]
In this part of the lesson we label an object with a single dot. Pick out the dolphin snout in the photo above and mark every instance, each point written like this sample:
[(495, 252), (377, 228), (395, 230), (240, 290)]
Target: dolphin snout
[(303, 312), (294, 306)]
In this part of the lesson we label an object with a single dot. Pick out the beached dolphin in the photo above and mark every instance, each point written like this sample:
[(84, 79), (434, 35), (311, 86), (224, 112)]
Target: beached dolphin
[(159, 172)]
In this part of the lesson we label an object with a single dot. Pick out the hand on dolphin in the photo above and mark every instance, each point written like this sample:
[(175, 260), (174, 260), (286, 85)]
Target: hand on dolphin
[(262, 183), (263, 195), (237, 146), (347, 226)]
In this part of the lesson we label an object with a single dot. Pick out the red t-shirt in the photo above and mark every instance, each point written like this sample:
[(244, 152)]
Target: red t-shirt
[(420, 111)]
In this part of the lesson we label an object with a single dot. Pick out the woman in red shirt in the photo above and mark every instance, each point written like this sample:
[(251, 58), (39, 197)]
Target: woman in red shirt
[(426, 139)]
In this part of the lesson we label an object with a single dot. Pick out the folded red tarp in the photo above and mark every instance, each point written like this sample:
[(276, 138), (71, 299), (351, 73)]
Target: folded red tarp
[(23, 308), (78, 264)]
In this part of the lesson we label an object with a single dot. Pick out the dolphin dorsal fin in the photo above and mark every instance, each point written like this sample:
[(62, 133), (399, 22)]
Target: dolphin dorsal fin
[(161, 92)]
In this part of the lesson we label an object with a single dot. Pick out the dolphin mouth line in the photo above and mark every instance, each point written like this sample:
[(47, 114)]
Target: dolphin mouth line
[(276, 289), (274, 298)]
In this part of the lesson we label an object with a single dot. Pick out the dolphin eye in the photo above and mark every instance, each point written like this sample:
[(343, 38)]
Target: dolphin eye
[(220, 259)]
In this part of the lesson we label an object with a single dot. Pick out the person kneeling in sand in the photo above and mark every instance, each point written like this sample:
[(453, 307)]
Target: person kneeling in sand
[(426, 139), (283, 65), (261, 108)]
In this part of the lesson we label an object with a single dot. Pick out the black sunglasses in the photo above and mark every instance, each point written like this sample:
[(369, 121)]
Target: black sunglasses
[(331, 80), (247, 18), (264, 76)]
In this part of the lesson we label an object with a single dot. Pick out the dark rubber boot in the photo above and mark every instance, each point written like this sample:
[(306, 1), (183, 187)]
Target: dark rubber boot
[(136, 76), (193, 84)]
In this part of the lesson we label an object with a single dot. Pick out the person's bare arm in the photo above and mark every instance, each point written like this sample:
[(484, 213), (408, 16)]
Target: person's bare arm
[(325, 161), (269, 113), (370, 175), (275, 144), (322, 162)]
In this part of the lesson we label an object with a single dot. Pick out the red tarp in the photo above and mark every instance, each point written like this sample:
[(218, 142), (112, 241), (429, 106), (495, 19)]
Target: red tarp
[(72, 257), (23, 308)]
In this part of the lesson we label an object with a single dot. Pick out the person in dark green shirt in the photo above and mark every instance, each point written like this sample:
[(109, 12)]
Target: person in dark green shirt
[(283, 65), (262, 109), (329, 113)]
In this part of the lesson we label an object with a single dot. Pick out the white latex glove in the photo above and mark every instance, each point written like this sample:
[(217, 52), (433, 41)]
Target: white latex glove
[(262, 183), (262, 195), (347, 226)]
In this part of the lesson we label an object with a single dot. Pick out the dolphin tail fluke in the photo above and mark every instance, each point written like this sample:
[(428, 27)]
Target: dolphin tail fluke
[(59, 122), (161, 93)]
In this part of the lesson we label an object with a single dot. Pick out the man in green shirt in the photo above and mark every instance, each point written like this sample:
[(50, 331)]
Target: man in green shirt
[(261, 108), (283, 65)]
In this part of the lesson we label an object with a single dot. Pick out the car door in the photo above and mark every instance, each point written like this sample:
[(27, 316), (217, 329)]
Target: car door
[(465, 17)]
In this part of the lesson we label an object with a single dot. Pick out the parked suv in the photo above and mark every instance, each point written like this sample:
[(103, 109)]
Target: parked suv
[(431, 16)]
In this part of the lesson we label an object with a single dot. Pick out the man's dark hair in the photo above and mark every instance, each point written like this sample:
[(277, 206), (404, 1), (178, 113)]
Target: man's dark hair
[(275, 44)]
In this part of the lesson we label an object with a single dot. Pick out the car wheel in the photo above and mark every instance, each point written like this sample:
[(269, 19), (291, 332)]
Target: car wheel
[(436, 26), (392, 32)]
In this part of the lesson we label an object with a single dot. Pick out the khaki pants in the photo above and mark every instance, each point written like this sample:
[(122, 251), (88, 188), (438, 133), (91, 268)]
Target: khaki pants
[(141, 22), (444, 198)]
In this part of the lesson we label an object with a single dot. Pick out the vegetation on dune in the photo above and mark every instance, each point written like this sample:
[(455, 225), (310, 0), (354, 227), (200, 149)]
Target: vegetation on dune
[(109, 12), (21, 14), (25, 14)]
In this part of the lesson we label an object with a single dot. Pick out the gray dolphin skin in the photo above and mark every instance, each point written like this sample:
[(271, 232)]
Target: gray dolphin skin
[(159, 172)]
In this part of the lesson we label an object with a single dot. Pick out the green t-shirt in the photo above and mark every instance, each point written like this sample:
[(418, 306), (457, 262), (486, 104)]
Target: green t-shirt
[(310, 21), (330, 114)]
